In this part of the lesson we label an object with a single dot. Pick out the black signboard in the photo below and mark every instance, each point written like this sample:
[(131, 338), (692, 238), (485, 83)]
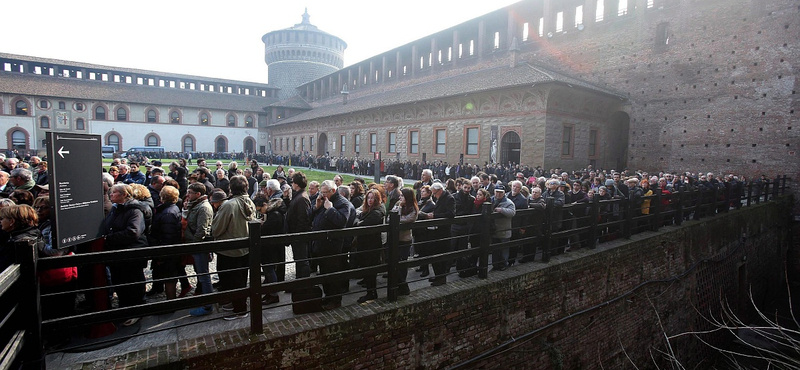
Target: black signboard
[(76, 188)]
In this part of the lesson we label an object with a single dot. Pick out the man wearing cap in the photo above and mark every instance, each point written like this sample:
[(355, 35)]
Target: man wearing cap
[(502, 226)]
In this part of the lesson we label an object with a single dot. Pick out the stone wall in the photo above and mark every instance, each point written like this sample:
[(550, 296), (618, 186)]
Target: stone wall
[(589, 309)]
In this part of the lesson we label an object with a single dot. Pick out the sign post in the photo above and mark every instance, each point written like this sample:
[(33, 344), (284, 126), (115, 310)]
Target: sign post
[(76, 188)]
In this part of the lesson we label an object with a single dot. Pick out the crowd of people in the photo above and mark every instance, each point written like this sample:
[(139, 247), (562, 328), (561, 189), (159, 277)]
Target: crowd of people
[(168, 205)]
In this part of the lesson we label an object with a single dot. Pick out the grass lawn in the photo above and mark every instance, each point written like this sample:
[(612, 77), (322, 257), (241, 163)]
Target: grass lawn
[(311, 174)]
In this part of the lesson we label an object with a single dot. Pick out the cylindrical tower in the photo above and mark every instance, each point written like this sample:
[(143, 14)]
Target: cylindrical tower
[(300, 54)]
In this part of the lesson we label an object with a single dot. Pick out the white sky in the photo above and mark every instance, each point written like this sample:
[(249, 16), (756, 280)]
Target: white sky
[(219, 39)]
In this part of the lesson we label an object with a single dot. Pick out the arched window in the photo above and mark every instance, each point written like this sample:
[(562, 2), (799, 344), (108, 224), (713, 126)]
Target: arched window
[(122, 114), (152, 140), (248, 122), (21, 108), (113, 140), (221, 145), (100, 113), (151, 116), (19, 140), (231, 120), (44, 104), (80, 124), (188, 144), (204, 119), (175, 117), (44, 122)]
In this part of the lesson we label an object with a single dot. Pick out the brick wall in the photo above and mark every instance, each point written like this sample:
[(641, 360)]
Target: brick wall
[(589, 309)]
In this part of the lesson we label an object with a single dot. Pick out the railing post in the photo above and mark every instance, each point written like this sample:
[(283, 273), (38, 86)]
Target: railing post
[(393, 255), (256, 321), (658, 218), (629, 204), (594, 215), (486, 241), (776, 188), (727, 206), (679, 203), (32, 354), (749, 192), (548, 229)]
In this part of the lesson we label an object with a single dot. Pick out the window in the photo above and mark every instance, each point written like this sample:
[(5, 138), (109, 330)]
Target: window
[(560, 22), (566, 142), (357, 143), (413, 142), (19, 140), (311, 143), (592, 143), (248, 122), (122, 114), (44, 104), (100, 113), (204, 119), (21, 108), (80, 124), (342, 142), (62, 105), (578, 15), (525, 31), (231, 119), (222, 145), (151, 116), (152, 140), (113, 140), (623, 8), (373, 143), (175, 117), (302, 144), (649, 4), (392, 142), (662, 34), (44, 122), (188, 144), (541, 27), (472, 141), (601, 10), (441, 140), (79, 107)]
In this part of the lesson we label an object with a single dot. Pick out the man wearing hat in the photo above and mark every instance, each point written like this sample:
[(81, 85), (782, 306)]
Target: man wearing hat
[(502, 226)]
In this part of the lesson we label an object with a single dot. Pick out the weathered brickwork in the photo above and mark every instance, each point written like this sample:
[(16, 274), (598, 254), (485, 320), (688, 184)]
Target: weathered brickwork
[(590, 309)]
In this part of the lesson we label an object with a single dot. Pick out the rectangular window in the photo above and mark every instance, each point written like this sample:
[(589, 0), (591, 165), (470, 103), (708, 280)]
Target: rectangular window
[(392, 142), (441, 141), (62, 105), (623, 8), (541, 27), (497, 40), (525, 31), (342, 142), (373, 143), (357, 143), (413, 142), (311, 143), (472, 141), (578, 15), (601, 11), (566, 142), (662, 34), (560, 22), (649, 4), (592, 143)]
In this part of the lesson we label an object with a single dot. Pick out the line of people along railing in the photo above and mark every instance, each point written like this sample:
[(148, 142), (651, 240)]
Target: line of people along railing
[(679, 206)]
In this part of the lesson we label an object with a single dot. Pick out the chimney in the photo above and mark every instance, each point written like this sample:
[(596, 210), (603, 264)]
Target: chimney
[(514, 50)]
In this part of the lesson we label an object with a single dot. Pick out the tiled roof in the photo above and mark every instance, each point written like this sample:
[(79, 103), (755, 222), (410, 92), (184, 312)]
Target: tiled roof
[(482, 80), (31, 84), (293, 102)]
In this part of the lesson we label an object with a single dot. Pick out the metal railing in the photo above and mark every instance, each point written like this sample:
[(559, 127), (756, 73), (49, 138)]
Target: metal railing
[(585, 224)]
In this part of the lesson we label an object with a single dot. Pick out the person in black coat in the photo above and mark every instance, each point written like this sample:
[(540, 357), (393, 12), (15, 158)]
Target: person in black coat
[(445, 208), (464, 205), (273, 210), (166, 230), (124, 228), (372, 213)]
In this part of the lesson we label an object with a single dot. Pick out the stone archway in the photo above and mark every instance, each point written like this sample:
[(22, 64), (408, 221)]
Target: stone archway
[(322, 144), (510, 147), (249, 145)]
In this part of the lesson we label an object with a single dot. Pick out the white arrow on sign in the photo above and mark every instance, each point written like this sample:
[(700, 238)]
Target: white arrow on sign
[(61, 152)]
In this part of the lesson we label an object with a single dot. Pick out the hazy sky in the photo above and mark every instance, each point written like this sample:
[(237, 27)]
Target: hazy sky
[(219, 39)]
